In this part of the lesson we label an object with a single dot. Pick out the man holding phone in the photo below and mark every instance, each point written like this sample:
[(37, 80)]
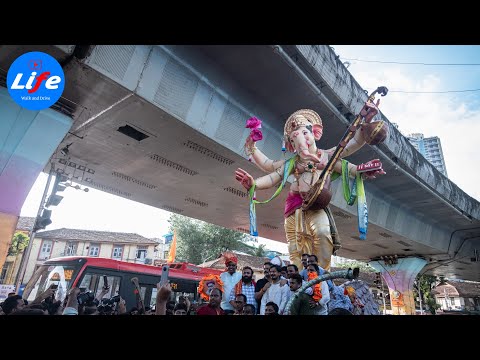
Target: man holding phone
[(163, 294)]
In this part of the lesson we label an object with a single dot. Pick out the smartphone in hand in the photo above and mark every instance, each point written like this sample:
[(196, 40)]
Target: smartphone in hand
[(164, 276)]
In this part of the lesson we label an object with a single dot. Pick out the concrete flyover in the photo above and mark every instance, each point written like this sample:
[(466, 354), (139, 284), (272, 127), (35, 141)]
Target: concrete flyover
[(164, 125)]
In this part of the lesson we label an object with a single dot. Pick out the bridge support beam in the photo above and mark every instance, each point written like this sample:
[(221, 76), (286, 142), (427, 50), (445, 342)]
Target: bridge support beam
[(27, 140), (400, 274)]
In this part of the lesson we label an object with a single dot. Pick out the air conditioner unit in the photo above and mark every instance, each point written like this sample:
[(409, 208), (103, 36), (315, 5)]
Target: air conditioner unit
[(148, 261)]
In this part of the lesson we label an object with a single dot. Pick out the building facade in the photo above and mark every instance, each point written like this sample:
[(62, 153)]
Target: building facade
[(12, 262), (458, 295), (255, 262), (431, 149), (73, 242), (163, 248)]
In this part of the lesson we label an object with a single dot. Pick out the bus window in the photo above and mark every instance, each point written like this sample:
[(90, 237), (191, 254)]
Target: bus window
[(88, 282), (114, 285), (174, 296), (45, 276), (94, 281)]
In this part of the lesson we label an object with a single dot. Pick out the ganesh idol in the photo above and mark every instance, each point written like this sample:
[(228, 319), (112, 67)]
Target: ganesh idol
[(312, 230)]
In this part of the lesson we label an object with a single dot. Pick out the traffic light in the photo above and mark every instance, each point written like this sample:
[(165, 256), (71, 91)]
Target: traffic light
[(43, 220), (54, 199)]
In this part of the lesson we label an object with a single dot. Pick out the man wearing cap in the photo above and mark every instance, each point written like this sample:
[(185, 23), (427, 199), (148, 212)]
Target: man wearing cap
[(230, 278)]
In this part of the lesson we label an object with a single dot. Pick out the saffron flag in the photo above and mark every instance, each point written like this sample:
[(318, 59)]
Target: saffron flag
[(173, 248)]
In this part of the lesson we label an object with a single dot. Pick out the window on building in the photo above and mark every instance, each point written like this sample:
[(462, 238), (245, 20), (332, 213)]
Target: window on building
[(3, 275), (141, 253), (70, 249), (46, 250), (117, 252), (94, 250), (165, 254)]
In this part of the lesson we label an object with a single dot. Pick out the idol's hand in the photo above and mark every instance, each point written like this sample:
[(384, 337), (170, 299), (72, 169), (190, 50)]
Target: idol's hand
[(244, 178)]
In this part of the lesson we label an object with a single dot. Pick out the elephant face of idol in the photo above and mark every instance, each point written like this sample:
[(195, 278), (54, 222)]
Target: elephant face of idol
[(302, 141)]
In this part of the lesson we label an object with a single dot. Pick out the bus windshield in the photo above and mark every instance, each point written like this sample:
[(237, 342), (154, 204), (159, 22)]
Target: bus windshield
[(45, 276)]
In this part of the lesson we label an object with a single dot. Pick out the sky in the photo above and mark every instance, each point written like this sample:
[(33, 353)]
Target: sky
[(106, 212), (454, 117)]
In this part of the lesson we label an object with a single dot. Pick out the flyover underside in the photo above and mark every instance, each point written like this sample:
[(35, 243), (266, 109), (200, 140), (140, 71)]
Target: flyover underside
[(181, 170), (174, 143)]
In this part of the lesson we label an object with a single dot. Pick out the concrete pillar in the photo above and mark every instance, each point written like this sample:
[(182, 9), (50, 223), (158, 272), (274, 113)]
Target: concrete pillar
[(27, 141), (399, 278)]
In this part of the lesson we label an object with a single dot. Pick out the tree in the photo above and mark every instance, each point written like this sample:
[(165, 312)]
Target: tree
[(363, 266), (260, 251), (198, 241), (19, 243), (427, 283)]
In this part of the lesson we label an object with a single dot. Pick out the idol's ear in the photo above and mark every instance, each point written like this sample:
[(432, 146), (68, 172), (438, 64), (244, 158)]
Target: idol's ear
[(317, 131), (288, 145)]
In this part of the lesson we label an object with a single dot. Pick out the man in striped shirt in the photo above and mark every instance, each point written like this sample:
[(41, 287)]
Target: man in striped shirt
[(246, 287)]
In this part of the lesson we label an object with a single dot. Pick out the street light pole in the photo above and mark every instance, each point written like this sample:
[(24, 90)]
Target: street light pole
[(420, 297), (446, 298), (26, 253), (383, 296)]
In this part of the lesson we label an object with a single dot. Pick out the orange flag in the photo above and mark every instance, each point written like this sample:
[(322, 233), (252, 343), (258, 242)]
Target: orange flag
[(173, 248)]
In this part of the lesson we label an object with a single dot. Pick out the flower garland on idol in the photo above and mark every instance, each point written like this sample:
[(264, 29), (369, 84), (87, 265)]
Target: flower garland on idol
[(317, 289), (207, 284)]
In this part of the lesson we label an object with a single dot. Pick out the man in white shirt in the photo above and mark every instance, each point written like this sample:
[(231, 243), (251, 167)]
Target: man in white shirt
[(293, 269), (229, 278), (321, 305), (275, 293)]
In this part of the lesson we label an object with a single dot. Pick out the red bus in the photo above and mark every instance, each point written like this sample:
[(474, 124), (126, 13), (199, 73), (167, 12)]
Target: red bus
[(89, 273)]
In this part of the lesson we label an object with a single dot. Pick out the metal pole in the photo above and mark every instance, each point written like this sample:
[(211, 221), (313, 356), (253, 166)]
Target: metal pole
[(26, 253), (383, 295), (420, 297), (446, 297)]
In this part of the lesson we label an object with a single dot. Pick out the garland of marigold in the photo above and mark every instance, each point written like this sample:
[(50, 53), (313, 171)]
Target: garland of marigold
[(317, 289), (202, 287)]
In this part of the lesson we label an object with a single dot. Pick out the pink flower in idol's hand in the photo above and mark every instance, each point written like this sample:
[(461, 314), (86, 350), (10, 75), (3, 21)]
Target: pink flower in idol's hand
[(256, 134), (254, 123)]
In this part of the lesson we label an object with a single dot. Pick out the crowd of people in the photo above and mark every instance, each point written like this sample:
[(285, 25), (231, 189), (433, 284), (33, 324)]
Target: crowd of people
[(236, 293), (239, 294)]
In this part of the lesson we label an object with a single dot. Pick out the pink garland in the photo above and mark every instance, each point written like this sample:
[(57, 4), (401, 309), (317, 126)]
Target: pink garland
[(255, 124)]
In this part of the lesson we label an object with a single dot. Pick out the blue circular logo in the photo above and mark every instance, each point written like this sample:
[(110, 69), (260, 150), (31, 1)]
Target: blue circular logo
[(35, 80)]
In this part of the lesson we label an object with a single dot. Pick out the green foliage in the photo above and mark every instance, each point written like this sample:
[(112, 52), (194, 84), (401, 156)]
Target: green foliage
[(198, 241), (426, 283), (432, 305), (260, 251), (19, 243), (364, 267)]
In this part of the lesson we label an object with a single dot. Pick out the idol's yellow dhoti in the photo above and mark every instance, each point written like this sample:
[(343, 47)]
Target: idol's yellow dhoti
[(308, 232)]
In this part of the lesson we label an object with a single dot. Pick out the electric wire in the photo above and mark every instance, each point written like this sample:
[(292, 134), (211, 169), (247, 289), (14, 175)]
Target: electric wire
[(412, 63)]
